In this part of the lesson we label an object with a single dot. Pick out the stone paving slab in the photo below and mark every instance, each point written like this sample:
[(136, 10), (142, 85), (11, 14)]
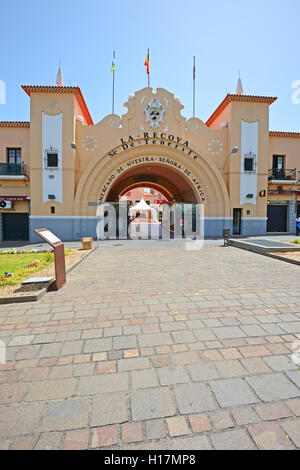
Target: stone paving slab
[(109, 409), (233, 392), (154, 403), (180, 350), (67, 414), (194, 398), (103, 384), (271, 387)]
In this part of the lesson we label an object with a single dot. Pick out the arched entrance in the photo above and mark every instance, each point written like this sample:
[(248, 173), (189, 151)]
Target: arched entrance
[(181, 178), (168, 181)]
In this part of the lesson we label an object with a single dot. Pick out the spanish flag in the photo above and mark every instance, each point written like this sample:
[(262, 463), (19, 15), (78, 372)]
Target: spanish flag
[(147, 64)]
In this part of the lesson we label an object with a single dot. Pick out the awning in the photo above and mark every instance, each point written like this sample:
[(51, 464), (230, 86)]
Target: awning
[(142, 206)]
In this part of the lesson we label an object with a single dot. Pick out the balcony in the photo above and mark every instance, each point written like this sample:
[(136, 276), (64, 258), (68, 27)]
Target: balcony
[(13, 169), (283, 174)]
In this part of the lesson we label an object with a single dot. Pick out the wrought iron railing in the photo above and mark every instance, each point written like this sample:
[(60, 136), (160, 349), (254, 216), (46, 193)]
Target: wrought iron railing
[(282, 174), (13, 169)]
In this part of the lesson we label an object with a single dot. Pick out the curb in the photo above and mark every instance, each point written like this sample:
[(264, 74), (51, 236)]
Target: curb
[(282, 258), (268, 254)]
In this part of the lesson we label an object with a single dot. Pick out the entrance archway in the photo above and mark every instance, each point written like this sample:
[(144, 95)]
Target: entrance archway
[(167, 180), (187, 179), (159, 190)]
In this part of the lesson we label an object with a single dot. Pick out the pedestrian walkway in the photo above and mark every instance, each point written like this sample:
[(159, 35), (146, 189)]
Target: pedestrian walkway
[(151, 346)]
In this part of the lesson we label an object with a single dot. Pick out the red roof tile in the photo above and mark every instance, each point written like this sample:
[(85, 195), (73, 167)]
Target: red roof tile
[(246, 98), (284, 134), (14, 124), (62, 89)]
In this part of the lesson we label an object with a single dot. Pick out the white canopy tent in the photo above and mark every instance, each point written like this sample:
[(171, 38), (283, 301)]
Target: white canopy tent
[(142, 207)]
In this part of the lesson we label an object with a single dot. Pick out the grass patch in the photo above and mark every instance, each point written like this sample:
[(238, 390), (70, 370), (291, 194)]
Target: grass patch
[(297, 240), (15, 264)]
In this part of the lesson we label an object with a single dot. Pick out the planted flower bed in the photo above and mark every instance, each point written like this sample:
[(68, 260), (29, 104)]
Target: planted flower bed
[(18, 265)]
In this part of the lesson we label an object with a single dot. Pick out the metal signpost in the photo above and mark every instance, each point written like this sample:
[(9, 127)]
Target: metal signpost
[(59, 255)]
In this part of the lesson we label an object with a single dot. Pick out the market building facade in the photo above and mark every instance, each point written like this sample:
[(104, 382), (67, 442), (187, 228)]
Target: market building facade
[(56, 168)]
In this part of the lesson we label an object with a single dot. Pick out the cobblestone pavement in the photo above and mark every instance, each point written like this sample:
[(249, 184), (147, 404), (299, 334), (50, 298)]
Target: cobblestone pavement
[(155, 347)]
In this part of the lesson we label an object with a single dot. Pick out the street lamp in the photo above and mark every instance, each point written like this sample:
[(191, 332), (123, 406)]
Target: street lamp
[(74, 147), (234, 149)]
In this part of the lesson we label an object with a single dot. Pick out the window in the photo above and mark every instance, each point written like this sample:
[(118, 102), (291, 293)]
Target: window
[(278, 171), (278, 162), (14, 155), (249, 162), (52, 210), (52, 160), (148, 191)]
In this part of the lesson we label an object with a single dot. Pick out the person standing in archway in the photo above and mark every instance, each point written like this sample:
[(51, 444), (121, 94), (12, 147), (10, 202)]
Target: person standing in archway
[(298, 225)]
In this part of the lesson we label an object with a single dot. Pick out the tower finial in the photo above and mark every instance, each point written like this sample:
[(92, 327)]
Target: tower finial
[(59, 77), (239, 86)]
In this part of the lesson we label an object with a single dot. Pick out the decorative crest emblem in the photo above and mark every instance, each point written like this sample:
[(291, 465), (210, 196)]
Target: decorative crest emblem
[(154, 113)]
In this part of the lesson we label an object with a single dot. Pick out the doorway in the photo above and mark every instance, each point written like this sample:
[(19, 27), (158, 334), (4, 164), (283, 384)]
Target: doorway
[(237, 222), (277, 218), (15, 226)]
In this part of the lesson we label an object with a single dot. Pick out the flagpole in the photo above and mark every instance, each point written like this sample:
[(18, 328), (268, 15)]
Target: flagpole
[(194, 79), (113, 90), (149, 69)]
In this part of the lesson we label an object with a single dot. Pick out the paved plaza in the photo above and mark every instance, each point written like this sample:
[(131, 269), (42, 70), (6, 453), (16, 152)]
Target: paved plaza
[(151, 346)]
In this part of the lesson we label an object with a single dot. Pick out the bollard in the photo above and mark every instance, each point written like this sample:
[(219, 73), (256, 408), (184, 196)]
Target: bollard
[(226, 235)]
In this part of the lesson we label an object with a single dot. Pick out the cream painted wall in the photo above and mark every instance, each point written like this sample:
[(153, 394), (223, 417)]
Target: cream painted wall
[(288, 146), (190, 142), (18, 206), (14, 137), (224, 116)]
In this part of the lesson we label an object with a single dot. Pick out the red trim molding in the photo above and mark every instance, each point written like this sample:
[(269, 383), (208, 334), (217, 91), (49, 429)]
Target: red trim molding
[(284, 134), (75, 90), (14, 124)]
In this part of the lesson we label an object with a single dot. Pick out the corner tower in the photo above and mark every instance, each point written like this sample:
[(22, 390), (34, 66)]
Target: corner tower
[(53, 163)]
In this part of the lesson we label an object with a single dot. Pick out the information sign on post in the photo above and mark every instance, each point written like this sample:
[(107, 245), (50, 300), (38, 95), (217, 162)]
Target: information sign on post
[(59, 255)]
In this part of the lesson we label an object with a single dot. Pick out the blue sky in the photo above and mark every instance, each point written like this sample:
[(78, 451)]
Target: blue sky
[(260, 38)]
